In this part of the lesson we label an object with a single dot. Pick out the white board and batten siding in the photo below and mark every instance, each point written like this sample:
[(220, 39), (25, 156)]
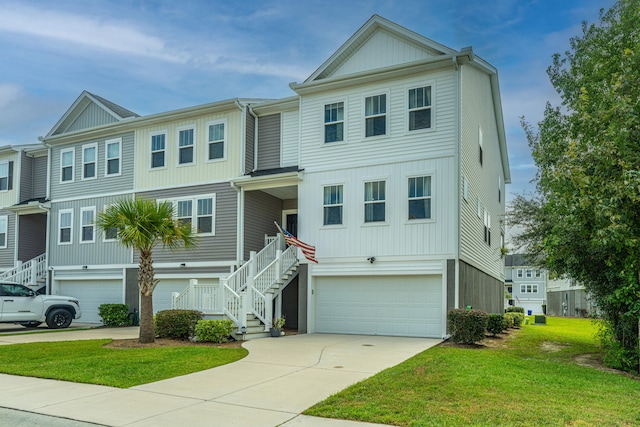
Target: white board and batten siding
[(398, 144), (409, 306)]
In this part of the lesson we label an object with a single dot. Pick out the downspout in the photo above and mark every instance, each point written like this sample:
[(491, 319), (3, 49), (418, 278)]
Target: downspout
[(243, 125), (255, 139), (49, 283), (458, 173), (17, 185)]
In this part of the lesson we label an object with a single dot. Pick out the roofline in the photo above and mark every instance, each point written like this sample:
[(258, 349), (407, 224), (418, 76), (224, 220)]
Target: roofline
[(17, 148)]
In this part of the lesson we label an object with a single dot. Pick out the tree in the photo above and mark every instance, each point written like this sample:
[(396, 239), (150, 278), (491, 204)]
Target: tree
[(586, 214), (141, 224)]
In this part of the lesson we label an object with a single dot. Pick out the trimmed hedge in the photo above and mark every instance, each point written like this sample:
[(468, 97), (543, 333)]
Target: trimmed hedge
[(179, 324), (517, 318), (508, 320), (217, 331), (114, 315), (467, 326), (515, 309), (496, 324)]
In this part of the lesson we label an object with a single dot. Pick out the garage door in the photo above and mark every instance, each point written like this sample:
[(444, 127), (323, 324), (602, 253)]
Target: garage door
[(91, 294), (383, 305)]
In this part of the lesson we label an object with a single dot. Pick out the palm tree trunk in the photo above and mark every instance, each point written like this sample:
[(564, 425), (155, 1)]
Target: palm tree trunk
[(146, 283)]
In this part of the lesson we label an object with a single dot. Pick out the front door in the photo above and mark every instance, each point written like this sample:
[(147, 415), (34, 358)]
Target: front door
[(291, 223)]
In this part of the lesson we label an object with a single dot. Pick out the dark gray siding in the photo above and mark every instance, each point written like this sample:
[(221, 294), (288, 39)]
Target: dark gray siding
[(25, 181), (480, 290), (222, 246), (39, 173), (32, 236), (7, 255), (102, 184), (576, 299), (261, 210), (249, 144), (269, 142), (96, 253)]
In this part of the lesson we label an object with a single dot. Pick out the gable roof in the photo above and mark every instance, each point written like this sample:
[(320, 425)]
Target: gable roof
[(90, 110), (421, 47)]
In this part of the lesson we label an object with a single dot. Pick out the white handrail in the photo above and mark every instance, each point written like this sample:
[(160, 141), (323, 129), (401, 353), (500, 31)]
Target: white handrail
[(28, 272)]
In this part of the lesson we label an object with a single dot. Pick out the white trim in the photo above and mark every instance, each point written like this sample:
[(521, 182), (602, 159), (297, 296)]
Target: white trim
[(194, 210), (365, 117), (5, 219), (164, 150), (192, 146), (365, 202), (106, 156), (431, 84), (84, 162), (432, 175), (225, 145), (342, 204), (71, 150), (59, 228), (104, 234), (323, 124), (92, 224)]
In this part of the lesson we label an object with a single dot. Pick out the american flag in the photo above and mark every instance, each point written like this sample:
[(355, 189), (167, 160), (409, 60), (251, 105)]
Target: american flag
[(308, 251)]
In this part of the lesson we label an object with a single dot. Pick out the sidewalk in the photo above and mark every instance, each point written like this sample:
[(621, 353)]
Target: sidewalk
[(270, 387)]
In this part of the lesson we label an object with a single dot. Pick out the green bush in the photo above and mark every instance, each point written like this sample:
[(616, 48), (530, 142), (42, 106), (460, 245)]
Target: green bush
[(515, 309), (507, 320), (213, 330), (467, 326), (114, 314), (516, 319), (178, 324), (495, 324)]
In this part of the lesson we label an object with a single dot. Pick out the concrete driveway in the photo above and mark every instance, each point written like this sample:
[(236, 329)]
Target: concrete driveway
[(279, 378)]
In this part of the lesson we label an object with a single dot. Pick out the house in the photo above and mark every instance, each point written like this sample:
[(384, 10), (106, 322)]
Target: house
[(390, 159), (23, 214), (568, 297), (526, 284)]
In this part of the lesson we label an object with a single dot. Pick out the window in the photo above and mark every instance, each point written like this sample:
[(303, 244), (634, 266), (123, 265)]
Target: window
[(529, 273), (185, 145), (480, 208), (375, 111), (158, 142), (65, 220), (538, 273), (480, 142), (529, 289), (216, 141), (111, 234), (6, 176), (4, 226), (113, 154), (201, 218), (519, 272), (334, 122), (87, 225), (332, 205), (374, 201), (420, 108), (67, 160), (465, 189), (89, 161), (487, 227), (420, 197)]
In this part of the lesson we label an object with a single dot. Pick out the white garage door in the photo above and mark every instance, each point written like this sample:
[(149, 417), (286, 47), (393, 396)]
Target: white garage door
[(91, 294), (380, 305)]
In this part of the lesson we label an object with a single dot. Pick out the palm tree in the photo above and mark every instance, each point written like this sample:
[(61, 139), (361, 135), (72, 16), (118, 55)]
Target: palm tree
[(141, 224)]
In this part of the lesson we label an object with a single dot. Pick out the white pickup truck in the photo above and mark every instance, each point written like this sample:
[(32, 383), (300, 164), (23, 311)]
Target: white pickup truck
[(21, 305)]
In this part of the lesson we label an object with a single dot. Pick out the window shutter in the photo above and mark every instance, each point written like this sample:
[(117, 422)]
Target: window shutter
[(10, 177)]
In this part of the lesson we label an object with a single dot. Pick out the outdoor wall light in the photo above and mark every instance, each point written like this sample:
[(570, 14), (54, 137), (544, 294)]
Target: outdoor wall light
[(183, 265), (371, 259), (84, 267)]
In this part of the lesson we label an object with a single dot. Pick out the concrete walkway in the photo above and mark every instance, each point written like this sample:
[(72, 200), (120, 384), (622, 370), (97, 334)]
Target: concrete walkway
[(279, 378)]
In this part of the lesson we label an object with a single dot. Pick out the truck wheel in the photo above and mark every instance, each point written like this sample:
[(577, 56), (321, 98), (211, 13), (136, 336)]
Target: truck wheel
[(30, 324), (59, 318)]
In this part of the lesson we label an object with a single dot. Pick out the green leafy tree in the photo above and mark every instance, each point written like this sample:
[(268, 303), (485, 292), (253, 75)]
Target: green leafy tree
[(585, 218), (142, 224)]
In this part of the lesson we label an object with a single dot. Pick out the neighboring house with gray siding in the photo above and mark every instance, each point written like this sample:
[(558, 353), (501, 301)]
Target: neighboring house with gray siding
[(390, 158), (526, 283)]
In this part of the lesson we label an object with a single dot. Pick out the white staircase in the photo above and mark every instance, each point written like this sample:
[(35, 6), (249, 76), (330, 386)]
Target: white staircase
[(246, 296), (32, 273)]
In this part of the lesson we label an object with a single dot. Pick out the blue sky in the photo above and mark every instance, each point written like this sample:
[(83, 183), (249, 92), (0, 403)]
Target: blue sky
[(152, 56)]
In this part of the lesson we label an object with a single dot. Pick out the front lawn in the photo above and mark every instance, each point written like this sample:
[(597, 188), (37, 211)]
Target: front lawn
[(89, 362), (529, 378)]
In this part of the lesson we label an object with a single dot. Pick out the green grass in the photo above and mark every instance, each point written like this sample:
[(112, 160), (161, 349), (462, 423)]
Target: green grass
[(89, 362), (531, 380)]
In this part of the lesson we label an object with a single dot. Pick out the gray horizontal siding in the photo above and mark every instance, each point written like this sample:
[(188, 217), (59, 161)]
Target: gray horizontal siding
[(261, 210), (25, 180), (222, 246), (32, 236), (102, 183), (249, 144), (97, 253), (90, 117), (7, 255), (269, 142), (39, 177)]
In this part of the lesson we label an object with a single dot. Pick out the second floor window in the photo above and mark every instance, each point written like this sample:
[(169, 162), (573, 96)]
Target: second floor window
[(66, 165), (375, 111), (197, 211), (420, 108), (113, 155), (65, 220), (334, 122), (5, 175), (332, 205), (529, 289), (157, 150), (420, 197), (216, 141), (519, 273), (185, 146), (4, 225), (89, 161), (87, 226), (374, 201)]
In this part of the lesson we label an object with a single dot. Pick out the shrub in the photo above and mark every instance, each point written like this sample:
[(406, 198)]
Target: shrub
[(495, 324), (516, 319), (178, 324), (467, 326), (507, 320), (213, 330), (515, 309), (114, 314)]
